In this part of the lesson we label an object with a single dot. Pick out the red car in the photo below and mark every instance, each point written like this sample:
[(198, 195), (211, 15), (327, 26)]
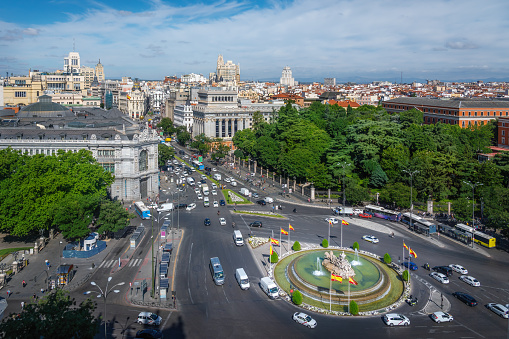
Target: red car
[(364, 215)]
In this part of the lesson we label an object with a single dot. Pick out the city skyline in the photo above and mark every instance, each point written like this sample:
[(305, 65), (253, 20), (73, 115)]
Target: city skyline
[(360, 41)]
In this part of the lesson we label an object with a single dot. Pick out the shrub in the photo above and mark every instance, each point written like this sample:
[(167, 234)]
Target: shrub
[(274, 258), (387, 258), (405, 275), (325, 243), (297, 297), (355, 246), (296, 246), (354, 308)]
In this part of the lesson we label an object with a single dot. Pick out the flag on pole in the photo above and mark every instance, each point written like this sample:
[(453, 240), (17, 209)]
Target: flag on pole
[(274, 241), (351, 281), (334, 277), (411, 251), (291, 227), (128, 97), (330, 222), (344, 222), (271, 251), (284, 232), (405, 246)]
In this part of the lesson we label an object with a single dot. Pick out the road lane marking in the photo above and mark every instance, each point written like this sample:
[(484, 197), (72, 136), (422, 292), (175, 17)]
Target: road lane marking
[(189, 274), (167, 318), (471, 330)]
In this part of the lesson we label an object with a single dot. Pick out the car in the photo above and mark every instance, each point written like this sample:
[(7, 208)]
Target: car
[(214, 169), (197, 190), (222, 202), (332, 220), (255, 224), (410, 264), (222, 221), (215, 203), (203, 177), (206, 222), (440, 317), (214, 192), (394, 319), (458, 268), (304, 319), (365, 215), (203, 181), (254, 195), (499, 309), (443, 269), (191, 206), (370, 238), (214, 186), (439, 277), (466, 298), (261, 202), (148, 333), (470, 280), (180, 206), (227, 180), (148, 318), (199, 196)]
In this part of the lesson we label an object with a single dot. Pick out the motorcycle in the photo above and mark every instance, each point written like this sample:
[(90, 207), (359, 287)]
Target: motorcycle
[(391, 235), (411, 301), (294, 210), (426, 266)]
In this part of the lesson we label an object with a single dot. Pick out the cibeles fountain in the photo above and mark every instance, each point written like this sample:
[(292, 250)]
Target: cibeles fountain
[(310, 273)]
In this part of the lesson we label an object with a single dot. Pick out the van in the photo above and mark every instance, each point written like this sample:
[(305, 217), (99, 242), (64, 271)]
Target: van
[(216, 270), (269, 287), (237, 238), (242, 278), (244, 191), (165, 207), (268, 200), (206, 202), (217, 176)]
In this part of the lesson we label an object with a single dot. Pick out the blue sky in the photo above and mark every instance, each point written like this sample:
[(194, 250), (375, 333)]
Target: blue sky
[(351, 40)]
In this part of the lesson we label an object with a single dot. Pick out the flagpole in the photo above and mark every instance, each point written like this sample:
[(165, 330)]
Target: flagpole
[(280, 242), (289, 230), (328, 238), (349, 283), (341, 233), (270, 259), (330, 293)]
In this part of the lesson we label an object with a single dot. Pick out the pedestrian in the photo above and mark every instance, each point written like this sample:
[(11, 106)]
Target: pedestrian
[(22, 305), (8, 293), (24, 283), (42, 290), (34, 296)]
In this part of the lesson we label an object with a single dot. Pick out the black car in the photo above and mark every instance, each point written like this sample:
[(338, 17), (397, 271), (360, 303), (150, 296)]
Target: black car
[(255, 224), (203, 181), (466, 298), (222, 202), (182, 152), (181, 206), (206, 222), (443, 269), (149, 334), (261, 202)]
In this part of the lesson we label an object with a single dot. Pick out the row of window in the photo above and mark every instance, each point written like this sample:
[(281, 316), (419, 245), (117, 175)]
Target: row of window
[(430, 120), (106, 153), (449, 112), (20, 94)]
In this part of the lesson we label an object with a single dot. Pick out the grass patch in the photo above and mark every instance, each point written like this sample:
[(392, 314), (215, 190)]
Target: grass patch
[(229, 201), (6, 251), (270, 215)]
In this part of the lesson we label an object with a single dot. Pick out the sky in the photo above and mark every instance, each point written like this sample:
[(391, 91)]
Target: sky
[(351, 40)]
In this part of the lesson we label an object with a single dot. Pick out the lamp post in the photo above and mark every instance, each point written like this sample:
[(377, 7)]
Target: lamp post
[(104, 294), (343, 165), (473, 185), (411, 173)]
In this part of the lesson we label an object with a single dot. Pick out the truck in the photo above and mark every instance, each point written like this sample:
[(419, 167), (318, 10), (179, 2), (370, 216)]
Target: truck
[(165, 207), (347, 211), (244, 191), (269, 287), (217, 176), (268, 200), (205, 189)]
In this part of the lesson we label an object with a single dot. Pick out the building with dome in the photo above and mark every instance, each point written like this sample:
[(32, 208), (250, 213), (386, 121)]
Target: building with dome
[(120, 145)]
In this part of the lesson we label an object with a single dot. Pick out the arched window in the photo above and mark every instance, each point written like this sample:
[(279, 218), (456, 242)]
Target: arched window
[(143, 162)]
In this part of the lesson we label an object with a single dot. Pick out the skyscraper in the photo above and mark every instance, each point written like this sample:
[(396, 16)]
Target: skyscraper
[(227, 72), (286, 77), (99, 71)]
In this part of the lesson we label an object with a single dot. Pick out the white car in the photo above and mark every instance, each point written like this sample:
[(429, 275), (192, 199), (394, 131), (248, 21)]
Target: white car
[(393, 319), (370, 238), (214, 169), (214, 186), (470, 280), (227, 180), (304, 319), (441, 317), (332, 220), (458, 268), (233, 183), (197, 190), (499, 309), (199, 196), (222, 221), (214, 192), (439, 277), (153, 205), (203, 177), (215, 203), (191, 206)]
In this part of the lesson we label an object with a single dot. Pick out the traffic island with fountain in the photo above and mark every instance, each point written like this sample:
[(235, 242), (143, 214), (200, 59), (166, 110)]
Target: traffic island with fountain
[(373, 285)]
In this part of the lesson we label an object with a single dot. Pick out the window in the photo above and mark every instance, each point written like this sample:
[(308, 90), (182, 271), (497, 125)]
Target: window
[(106, 153), (20, 94), (482, 114), (503, 132), (143, 162), (109, 167), (462, 124)]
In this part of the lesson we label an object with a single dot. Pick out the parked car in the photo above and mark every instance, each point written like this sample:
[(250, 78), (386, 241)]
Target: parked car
[(255, 224), (222, 221), (206, 222), (148, 334), (370, 238), (148, 318), (466, 298), (411, 265), (304, 319), (261, 202), (191, 206), (458, 268), (470, 280), (439, 277), (441, 317), (393, 319), (499, 309)]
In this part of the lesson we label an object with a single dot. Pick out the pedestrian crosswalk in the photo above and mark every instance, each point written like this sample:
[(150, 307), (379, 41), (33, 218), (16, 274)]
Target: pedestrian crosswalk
[(113, 262)]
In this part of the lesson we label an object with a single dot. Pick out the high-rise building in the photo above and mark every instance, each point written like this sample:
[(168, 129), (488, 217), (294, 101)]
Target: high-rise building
[(286, 77), (228, 72), (99, 72), (72, 63), (329, 82)]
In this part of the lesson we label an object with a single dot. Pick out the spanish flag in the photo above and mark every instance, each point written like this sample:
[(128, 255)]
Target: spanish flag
[(128, 97), (330, 223), (344, 222), (284, 232), (274, 241), (411, 251), (271, 251), (405, 246), (334, 277), (351, 281), (291, 227)]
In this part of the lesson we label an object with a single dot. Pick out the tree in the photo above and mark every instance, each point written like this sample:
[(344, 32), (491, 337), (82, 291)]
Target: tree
[(355, 246), (387, 258), (112, 216), (296, 246), (405, 275), (74, 215), (354, 308), (274, 258), (219, 150), (54, 316), (201, 143), (167, 125), (183, 136), (325, 243), (165, 153), (297, 297)]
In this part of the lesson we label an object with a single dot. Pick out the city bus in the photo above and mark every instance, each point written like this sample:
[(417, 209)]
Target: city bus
[(216, 270), (479, 237), (142, 210), (198, 165), (419, 224), (382, 213)]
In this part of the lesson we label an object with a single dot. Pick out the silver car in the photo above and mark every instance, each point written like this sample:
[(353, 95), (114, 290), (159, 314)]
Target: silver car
[(499, 309)]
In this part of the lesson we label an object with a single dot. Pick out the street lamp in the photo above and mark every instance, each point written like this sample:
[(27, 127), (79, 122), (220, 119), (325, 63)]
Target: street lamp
[(411, 173), (343, 165), (473, 185), (104, 294)]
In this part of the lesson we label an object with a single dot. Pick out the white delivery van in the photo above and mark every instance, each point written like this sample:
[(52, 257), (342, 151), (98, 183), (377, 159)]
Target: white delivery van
[(242, 278), (165, 207), (244, 191), (269, 287), (217, 176), (190, 181), (268, 200), (237, 238), (205, 189)]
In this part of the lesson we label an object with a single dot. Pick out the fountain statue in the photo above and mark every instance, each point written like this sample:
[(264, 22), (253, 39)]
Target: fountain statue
[(338, 265)]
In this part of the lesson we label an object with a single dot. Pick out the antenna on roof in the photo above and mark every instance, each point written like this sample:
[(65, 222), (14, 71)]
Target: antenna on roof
[(73, 45)]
